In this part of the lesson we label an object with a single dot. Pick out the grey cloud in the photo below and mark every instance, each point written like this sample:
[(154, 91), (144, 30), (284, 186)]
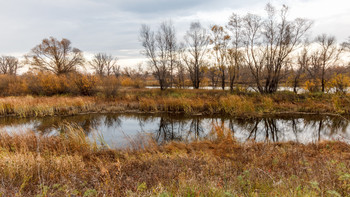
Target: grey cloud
[(99, 25)]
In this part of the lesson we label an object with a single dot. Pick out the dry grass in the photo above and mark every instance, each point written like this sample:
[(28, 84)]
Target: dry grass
[(44, 106), (70, 164), (178, 101)]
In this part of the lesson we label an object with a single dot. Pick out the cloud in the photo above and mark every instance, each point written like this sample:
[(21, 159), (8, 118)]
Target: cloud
[(112, 26)]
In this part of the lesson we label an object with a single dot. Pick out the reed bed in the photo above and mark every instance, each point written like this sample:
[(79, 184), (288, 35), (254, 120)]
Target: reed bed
[(70, 164), (29, 106), (178, 101)]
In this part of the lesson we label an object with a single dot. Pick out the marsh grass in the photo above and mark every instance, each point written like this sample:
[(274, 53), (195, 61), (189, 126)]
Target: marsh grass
[(70, 164), (29, 106), (178, 101)]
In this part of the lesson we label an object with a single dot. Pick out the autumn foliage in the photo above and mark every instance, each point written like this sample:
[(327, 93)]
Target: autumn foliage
[(48, 84)]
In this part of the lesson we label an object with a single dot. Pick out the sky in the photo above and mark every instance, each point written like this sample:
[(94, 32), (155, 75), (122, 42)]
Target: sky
[(112, 26)]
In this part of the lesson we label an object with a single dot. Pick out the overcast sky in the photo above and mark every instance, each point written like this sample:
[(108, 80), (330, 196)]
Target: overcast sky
[(112, 26)]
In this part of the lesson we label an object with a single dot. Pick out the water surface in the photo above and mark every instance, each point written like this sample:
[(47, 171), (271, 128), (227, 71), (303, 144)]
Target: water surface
[(122, 130)]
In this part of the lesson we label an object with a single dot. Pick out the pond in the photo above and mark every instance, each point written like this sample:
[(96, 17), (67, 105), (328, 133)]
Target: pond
[(123, 130)]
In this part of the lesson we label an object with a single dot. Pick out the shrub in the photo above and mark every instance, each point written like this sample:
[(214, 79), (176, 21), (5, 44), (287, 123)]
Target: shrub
[(126, 81), (11, 85), (312, 85), (87, 84), (110, 86), (339, 82), (132, 82)]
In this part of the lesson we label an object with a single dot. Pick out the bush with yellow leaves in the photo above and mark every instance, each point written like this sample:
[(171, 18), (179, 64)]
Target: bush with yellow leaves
[(312, 85), (339, 82), (11, 85), (87, 84)]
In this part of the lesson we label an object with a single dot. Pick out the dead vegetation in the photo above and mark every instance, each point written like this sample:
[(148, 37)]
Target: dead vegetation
[(69, 164), (178, 101)]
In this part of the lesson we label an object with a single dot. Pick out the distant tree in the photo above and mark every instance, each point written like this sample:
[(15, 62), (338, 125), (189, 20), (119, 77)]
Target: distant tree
[(135, 72), (213, 75), (235, 54), (303, 61), (117, 71), (103, 64), (346, 45), (168, 46), (219, 38), (55, 56), (269, 43), (9, 65), (181, 74), (161, 50), (326, 55), (193, 52)]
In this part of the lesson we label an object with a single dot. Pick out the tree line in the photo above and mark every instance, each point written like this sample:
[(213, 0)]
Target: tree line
[(260, 51), (255, 51)]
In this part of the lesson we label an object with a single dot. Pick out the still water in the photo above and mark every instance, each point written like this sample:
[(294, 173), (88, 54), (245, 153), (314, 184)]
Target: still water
[(123, 130)]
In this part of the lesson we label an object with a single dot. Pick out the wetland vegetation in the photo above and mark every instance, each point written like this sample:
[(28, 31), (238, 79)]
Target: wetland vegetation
[(279, 126)]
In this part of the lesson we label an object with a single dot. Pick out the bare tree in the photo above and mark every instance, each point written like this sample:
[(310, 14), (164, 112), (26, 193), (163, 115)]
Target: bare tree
[(181, 74), (168, 47), (161, 50), (9, 65), (219, 39), (148, 40), (346, 45), (103, 64), (303, 61), (234, 54), (193, 52), (55, 56), (213, 74), (117, 70), (323, 58), (269, 42)]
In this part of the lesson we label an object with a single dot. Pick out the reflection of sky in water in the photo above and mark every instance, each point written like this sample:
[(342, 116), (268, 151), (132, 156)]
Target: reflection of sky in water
[(125, 130), (300, 90)]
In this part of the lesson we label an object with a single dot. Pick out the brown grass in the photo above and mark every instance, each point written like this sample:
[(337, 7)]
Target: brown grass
[(178, 101), (70, 164)]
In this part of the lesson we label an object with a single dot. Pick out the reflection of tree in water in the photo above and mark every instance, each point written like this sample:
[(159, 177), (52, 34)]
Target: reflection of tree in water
[(112, 119), (269, 127), (174, 129), (327, 126), (86, 122), (166, 131), (296, 130), (196, 128), (273, 129)]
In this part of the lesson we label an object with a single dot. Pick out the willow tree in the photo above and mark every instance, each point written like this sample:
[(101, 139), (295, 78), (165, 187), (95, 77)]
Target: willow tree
[(268, 44), (55, 56)]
